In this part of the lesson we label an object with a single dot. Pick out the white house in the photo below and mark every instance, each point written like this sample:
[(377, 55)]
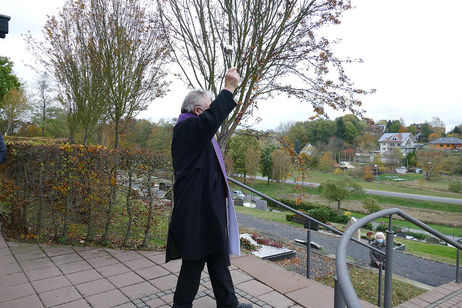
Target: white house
[(406, 142)]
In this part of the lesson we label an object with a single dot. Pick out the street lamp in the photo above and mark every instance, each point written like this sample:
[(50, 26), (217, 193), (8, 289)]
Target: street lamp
[(376, 175)]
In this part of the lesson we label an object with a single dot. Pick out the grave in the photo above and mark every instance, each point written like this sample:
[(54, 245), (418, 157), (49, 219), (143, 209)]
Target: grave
[(357, 234), (238, 202), (163, 186), (261, 205), (433, 240), (312, 244), (271, 253)]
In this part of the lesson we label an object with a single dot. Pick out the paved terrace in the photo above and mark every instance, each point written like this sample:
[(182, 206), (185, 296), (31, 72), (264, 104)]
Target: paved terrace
[(41, 275)]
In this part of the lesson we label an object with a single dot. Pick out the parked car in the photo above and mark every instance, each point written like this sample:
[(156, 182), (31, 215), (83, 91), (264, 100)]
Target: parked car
[(238, 194)]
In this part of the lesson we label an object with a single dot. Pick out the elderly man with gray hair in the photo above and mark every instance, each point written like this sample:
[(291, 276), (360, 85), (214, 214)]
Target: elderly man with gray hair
[(203, 226)]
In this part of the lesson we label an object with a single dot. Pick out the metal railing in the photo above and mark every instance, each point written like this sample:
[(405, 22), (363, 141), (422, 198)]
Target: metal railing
[(309, 218), (345, 293)]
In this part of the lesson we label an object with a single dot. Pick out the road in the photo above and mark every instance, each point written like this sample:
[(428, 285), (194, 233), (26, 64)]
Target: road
[(386, 193)]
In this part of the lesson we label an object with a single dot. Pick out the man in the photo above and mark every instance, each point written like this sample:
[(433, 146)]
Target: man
[(2, 150), (376, 258), (203, 227)]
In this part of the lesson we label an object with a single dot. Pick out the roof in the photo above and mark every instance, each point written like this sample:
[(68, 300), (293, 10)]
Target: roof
[(388, 137), (447, 140)]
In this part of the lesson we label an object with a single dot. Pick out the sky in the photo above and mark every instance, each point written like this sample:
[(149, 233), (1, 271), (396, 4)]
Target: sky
[(411, 52)]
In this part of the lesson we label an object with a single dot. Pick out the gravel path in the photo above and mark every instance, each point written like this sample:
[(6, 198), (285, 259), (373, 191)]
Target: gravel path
[(425, 271)]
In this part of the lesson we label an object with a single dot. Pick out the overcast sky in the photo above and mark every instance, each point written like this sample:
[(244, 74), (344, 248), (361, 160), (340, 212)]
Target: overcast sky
[(412, 53)]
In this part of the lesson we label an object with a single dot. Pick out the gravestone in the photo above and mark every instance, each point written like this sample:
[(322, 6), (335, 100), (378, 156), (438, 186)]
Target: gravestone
[(433, 240), (261, 205), (238, 202), (162, 186), (357, 234)]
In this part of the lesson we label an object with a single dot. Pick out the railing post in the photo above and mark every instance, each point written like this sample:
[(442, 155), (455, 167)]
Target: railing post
[(308, 250), (458, 266), (389, 265), (379, 300), (339, 301)]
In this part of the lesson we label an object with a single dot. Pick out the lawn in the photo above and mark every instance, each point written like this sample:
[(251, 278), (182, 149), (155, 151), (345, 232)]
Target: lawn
[(450, 231), (413, 184), (365, 284), (430, 251)]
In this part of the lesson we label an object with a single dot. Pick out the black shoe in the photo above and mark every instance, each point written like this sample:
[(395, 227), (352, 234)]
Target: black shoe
[(243, 305)]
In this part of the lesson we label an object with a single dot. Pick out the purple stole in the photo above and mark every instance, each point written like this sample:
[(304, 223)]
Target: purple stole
[(233, 229)]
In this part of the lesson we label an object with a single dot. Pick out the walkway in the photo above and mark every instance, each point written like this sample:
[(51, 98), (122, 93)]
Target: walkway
[(448, 295), (42, 275), (418, 269)]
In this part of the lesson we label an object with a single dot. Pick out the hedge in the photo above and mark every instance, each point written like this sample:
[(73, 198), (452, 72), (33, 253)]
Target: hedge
[(48, 190)]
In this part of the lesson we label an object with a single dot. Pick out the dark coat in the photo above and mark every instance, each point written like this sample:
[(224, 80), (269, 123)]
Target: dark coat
[(2, 150), (375, 256), (198, 225)]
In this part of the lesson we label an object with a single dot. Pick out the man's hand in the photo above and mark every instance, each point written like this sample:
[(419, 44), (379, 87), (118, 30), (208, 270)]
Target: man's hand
[(231, 79)]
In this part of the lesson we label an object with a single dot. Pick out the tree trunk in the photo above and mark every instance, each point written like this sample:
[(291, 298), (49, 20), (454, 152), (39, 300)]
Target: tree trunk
[(66, 218), (112, 201), (40, 208), (129, 208), (150, 211)]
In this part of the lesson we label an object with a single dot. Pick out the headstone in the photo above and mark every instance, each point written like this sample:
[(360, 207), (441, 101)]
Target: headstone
[(261, 205), (162, 186), (357, 234), (433, 240), (169, 192), (238, 202)]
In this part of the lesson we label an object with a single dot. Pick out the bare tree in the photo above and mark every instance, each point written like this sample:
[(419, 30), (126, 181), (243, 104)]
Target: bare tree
[(44, 109), (275, 44), (107, 57), (133, 51)]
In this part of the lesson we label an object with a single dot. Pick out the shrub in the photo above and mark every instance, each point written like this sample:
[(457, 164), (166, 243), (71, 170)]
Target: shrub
[(368, 226), (367, 175), (58, 187), (343, 219), (323, 214), (371, 205), (455, 187), (290, 217)]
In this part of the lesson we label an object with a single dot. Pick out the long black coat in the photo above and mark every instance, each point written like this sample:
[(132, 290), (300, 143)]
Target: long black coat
[(198, 225)]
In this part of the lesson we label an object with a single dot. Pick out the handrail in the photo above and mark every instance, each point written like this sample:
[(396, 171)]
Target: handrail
[(345, 284), (301, 214)]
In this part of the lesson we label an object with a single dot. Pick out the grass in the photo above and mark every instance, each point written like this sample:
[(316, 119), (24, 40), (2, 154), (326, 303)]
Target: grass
[(430, 251), (365, 284), (272, 216), (450, 231), (413, 184)]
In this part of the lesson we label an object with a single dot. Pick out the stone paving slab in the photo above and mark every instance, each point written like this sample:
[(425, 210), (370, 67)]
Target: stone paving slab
[(45, 275), (447, 295)]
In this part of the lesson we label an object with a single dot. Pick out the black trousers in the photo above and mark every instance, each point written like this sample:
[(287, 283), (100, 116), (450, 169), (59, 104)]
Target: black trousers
[(189, 280)]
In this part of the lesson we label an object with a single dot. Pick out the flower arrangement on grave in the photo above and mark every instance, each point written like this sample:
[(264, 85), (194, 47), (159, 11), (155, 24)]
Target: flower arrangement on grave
[(264, 241)]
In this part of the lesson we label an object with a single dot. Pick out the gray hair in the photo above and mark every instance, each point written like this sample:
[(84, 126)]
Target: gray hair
[(380, 234), (196, 98)]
